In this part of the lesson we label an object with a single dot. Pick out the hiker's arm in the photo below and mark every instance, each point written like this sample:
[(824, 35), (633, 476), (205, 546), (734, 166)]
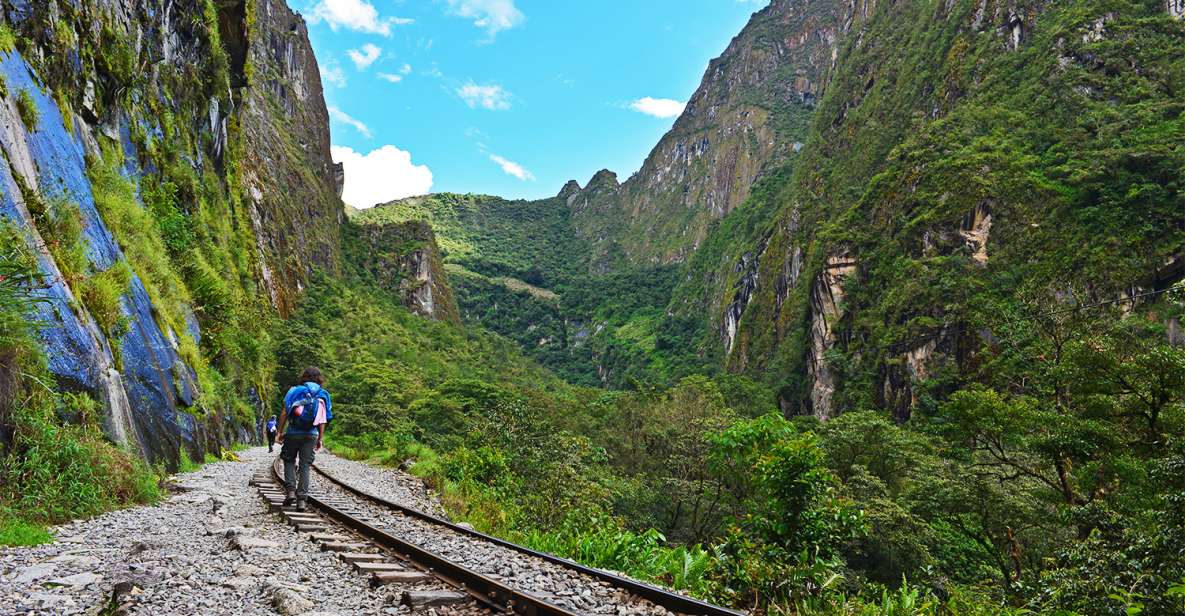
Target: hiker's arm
[(280, 428), (320, 434)]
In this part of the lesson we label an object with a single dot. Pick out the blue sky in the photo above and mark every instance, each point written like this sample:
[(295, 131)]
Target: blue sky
[(506, 97)]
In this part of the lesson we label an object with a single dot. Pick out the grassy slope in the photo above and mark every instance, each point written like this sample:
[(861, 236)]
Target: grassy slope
[(529, 240), (518, 270)]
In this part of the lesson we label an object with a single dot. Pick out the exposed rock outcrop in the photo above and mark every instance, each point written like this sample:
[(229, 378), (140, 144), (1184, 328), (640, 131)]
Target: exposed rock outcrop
[(572, 187), (827, 310), (404, 259), (1176, 8), (141, 88), (293, 185)]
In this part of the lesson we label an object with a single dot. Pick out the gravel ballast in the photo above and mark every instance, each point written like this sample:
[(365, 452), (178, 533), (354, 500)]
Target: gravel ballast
[(554, 583), (182, 557)]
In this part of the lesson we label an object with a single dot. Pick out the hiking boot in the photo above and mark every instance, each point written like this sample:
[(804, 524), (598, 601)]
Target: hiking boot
[(289, 500), (301, 505)]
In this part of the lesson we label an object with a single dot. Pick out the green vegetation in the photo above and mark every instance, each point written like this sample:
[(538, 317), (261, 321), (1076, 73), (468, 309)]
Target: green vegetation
[(518, 269), (58, 466), (27, 108), (100, 294), (18, 532), (1029, 461), (999, 439), (7, 38), (532, 241)]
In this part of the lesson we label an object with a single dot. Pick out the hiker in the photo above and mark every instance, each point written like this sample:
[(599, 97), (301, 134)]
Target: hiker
[(270, 428), (307, 408)]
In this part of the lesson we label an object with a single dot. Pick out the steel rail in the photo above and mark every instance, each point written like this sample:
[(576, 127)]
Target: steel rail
[(484, 590), (659, 596)]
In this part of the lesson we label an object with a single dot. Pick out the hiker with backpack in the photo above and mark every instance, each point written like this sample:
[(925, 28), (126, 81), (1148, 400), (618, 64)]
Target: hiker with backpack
[(270, 428), (307, 409)]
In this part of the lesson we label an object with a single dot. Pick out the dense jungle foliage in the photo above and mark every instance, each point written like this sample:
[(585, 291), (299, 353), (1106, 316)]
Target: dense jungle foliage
[(1060, 496), (518, 269)]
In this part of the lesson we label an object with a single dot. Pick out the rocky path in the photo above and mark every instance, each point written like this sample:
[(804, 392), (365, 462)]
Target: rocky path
[(211, 548)]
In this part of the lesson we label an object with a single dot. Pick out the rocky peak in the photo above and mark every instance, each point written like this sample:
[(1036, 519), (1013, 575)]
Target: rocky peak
[(572, 187), (602, 180)]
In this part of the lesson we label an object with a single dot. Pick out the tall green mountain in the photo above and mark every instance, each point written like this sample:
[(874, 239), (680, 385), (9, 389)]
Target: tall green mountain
[(853, 188), (963, 156), (748, 117)]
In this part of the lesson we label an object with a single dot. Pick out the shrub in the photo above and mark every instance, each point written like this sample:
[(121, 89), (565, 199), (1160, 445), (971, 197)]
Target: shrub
[(27, 107), (60, 224), (101, 293), (7, 38), (62, 99)]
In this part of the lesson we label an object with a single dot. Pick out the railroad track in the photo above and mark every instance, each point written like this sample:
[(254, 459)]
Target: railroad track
[(497, 574)]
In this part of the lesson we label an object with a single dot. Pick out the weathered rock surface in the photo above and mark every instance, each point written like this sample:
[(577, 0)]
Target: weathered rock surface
[(82, 99), (404, 259), (291, 179)]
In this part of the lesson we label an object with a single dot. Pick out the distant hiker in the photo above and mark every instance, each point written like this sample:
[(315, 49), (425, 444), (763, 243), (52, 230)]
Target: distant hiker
[(307, 408), (271, 432)]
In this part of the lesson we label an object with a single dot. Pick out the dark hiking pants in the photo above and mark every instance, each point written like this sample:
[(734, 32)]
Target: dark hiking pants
[(271, 440), (302, 445)]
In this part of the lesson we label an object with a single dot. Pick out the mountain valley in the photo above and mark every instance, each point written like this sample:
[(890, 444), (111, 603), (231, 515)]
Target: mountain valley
[(888, 322)]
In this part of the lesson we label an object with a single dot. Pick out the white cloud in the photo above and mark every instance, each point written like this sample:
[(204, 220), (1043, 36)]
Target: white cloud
[(658, 107), (493, 16), (337, 115), (383, 175), (390, 77), (358, 15), (512, 168), (333, 75), (491, 97), (405, 69), (365, 56)]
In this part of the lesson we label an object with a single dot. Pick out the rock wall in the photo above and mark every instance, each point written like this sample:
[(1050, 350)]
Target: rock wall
[(169, 94), (293, 184)]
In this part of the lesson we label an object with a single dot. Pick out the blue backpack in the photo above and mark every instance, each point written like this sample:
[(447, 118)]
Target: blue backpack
[(306, 397)]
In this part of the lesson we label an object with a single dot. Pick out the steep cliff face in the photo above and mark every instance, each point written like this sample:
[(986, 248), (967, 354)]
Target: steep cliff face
[(293, 184), (403, 259), (748, 116), (965, 153), (124, 129)]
